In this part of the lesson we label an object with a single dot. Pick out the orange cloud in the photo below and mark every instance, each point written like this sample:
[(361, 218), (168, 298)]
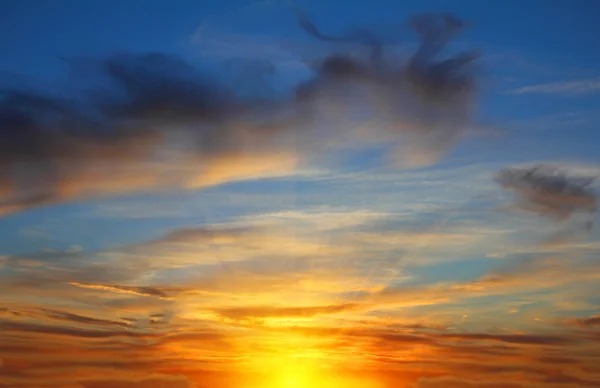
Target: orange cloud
[(293, 312)]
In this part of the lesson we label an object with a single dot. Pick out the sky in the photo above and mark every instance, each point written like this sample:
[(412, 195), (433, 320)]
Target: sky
[(271, 194)]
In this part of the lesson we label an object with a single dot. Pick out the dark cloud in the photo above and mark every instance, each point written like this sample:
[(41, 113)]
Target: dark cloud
[(404, 338), (358, 35), (592, 321), (557, 360), (156, 122), (65, 316), (453, 382), (30, 327), (550, 191), (426, 102), (57, 269), (126, 336), (156, 382), (561, 378), (155, 291), (437, 79), (522, 339), (463, 348)]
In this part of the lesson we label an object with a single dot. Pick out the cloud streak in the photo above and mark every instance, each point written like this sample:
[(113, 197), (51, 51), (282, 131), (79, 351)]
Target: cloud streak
[(575, 88)]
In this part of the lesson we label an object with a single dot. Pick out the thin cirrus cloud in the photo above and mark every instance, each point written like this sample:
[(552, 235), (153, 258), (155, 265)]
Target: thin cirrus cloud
[(573, 88)]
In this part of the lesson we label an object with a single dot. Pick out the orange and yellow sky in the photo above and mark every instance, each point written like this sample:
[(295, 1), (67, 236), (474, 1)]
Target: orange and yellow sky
[(318, 297)]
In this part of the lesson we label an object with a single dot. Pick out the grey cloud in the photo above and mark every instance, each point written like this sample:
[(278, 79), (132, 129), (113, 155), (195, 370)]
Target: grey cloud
[(155, 291), (588, 322), (523, 339), (65, 316), (554, 192), (453, 382), (170, 381), (157, 123)]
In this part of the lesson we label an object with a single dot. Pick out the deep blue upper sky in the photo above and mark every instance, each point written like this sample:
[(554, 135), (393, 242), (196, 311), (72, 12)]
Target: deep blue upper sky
[(34, 33)]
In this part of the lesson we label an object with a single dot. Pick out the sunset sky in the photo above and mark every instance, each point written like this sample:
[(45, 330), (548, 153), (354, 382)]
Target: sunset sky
[(188, 200)]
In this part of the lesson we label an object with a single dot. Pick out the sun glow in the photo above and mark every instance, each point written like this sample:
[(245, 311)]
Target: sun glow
[(305, 370)]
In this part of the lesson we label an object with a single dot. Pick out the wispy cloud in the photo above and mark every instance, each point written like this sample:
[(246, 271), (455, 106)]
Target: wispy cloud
[(574, 88)]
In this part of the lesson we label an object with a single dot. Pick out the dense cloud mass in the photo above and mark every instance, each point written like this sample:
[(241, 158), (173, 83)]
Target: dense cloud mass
[(157, 122)]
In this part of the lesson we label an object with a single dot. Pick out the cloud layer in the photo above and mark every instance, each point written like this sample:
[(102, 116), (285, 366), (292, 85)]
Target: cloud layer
[(154, 122), (222, 304)]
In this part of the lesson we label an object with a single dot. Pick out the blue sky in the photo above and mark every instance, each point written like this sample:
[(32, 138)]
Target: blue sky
[(422, 256), (37, 31), (523, 41)]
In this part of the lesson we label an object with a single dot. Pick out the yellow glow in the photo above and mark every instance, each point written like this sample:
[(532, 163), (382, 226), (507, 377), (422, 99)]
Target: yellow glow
[(306, 368), (308, 374)]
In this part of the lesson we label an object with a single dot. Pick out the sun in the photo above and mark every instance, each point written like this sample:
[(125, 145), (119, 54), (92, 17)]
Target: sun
[(295, 378), (292, 371), (286, 360)]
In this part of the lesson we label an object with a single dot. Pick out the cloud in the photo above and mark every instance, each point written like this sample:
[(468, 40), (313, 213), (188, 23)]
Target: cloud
[(158, 124), (262, 272), (155, 382), (140, 356), (591, 321), (159, 292), (25, 327), (519, 277), (234, 247), (588, 86), (553, 193), (510, 338), (214, 261), (65, 316), (588, 322), (452, 382), (238, 313)]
